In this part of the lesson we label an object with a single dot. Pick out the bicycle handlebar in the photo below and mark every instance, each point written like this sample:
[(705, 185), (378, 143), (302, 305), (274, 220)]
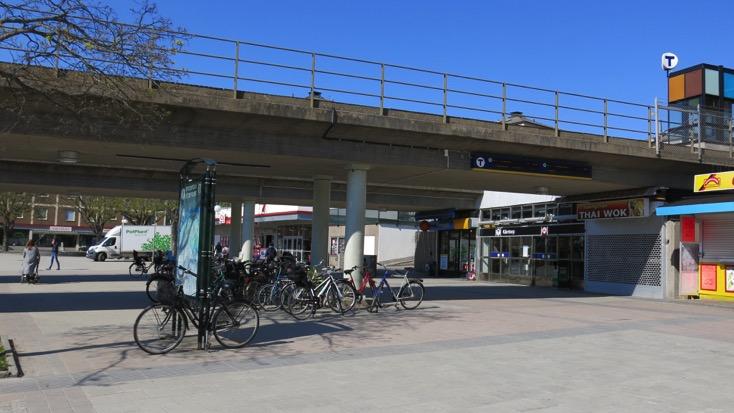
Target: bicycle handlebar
[(187, 271)]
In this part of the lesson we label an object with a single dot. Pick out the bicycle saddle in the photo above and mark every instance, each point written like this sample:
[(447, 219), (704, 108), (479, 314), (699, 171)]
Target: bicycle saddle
[(347, 272)]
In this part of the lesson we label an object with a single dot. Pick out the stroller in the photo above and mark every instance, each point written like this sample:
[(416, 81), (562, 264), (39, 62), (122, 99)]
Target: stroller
[(32, 278)]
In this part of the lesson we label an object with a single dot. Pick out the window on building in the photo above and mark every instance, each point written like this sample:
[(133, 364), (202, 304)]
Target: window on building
[(565, 209), (516, 212), (496, 214), (20, 216), (539, 211), (336, 245), (70, 215), (42, 196), (41, 214), (527, 211)]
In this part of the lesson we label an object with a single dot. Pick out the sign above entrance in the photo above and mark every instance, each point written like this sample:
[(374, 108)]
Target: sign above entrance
[(529, 166), (627, 208), (539, 230), (717, 181), (59, 229)]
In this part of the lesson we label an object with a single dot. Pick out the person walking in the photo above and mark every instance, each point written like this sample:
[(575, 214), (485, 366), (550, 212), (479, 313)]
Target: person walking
[(31, 259), (54, 255)]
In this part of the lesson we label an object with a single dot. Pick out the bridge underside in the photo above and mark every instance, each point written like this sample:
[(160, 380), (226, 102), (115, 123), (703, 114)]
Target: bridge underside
[(270, 149)]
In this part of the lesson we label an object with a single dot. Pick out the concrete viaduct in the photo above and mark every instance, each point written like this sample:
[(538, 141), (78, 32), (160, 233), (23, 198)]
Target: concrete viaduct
[(275, 149)]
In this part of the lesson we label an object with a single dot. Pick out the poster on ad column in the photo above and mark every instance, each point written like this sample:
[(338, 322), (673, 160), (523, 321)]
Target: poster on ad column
[(188, 242)]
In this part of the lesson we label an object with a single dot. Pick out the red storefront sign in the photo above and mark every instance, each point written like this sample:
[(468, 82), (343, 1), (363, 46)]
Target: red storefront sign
[(708, 277), (688, 229)]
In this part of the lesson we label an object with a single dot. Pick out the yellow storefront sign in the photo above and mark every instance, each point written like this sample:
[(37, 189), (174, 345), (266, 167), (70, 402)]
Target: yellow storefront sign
[(716, 181)]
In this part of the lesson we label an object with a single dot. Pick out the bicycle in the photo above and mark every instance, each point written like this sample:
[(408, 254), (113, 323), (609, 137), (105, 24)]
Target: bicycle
[(161, 327), (409, 294), (306, 298)]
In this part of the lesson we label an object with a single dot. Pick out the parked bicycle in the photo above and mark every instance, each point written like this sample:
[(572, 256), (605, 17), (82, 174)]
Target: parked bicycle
[(161, 327), (139, 268), (306, 298), (409, 295)]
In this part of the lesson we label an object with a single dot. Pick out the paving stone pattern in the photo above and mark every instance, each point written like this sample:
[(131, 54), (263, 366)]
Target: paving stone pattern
[(471, 346)]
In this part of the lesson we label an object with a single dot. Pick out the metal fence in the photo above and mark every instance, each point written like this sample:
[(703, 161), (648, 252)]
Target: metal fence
[(247, 66)]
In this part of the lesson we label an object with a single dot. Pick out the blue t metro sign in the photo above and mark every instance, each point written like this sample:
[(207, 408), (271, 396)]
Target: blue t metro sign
[(527, 165)]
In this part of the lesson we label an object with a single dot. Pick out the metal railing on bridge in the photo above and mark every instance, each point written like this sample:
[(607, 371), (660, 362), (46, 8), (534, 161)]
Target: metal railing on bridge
[(254, 67)]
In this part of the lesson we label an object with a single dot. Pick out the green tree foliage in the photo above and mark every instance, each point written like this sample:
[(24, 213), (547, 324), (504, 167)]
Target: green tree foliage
[(97, 211), (159, 242), (90, 55), (12, 205)]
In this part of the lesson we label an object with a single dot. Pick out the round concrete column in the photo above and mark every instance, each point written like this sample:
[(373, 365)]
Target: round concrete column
[(235, 230), (356, 205), (320, 220), (248, 230)]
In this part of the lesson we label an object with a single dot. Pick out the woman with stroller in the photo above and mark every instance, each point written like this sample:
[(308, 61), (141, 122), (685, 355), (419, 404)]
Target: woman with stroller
[(31, 259)]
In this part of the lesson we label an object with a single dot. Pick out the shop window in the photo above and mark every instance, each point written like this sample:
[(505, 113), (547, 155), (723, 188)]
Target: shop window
[(539, 248), (564, 248), (515, 247), (495, 247), (527, 211), (539, 211), (336, 245), (70, 215), (551, 248), (42, 214), (577, 247), (565, 209)]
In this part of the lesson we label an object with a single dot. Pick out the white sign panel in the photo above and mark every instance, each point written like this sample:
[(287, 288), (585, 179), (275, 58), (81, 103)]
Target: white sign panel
[(669, 60)]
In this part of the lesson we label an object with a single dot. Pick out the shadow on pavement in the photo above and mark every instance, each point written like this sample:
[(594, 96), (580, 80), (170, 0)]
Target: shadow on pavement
[(485, 291), (280, 333), (49, 278), (71, 301)]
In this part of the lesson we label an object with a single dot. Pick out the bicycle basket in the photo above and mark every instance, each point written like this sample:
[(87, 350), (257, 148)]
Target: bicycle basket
[(166, 292)]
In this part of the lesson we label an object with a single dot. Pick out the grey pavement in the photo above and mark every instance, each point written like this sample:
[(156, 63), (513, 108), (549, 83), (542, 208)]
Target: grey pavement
[(471, 346)]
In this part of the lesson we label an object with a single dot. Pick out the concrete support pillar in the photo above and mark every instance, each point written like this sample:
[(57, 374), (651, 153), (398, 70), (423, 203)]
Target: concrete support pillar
[(320, 220), (248, 230), (235, 230), (356, 205)]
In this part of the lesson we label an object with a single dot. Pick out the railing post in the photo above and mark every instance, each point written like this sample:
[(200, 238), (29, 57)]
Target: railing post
[(731, 137), (556, 119), (649, 127), (313, 78), (382, 88), (657, 128), (236, 67), (606, 115), (445, 96), (504, 106), (700, 131)]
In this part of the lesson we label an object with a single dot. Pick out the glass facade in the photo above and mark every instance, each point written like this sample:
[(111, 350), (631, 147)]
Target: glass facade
[(456, 251)]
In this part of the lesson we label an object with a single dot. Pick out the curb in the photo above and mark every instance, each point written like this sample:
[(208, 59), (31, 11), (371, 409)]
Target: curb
[(9, 356)]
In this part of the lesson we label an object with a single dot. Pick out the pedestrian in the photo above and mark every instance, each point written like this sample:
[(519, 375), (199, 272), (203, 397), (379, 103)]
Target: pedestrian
[(31, 259), (54, 255), (218, 248)]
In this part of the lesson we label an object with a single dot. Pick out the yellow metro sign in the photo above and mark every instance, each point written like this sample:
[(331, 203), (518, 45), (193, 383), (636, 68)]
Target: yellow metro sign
[(717, 181)]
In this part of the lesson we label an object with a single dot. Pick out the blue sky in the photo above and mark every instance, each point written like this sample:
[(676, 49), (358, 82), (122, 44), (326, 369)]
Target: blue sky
[(606, 48)]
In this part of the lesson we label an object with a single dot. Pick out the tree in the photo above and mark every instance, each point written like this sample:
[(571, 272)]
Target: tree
[(143, 211), (97, 211), (94, 55), (12, 205)]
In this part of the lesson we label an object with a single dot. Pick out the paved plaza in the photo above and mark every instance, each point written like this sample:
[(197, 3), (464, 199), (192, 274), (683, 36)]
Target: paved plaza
[(471, 346)]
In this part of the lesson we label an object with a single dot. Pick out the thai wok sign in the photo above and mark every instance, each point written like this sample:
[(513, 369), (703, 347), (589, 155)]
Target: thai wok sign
[(717, 181), (627, 208)]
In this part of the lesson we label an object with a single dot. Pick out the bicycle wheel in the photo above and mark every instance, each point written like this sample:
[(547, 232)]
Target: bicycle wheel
[(159, 329), (285, 294), (155, 284), (267, 297), (301, 304), (135, 270), (235, 323), (411, 295), (348, 297)]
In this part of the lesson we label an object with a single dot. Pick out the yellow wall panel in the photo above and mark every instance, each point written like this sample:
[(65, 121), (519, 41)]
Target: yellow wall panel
[(676, 88)]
